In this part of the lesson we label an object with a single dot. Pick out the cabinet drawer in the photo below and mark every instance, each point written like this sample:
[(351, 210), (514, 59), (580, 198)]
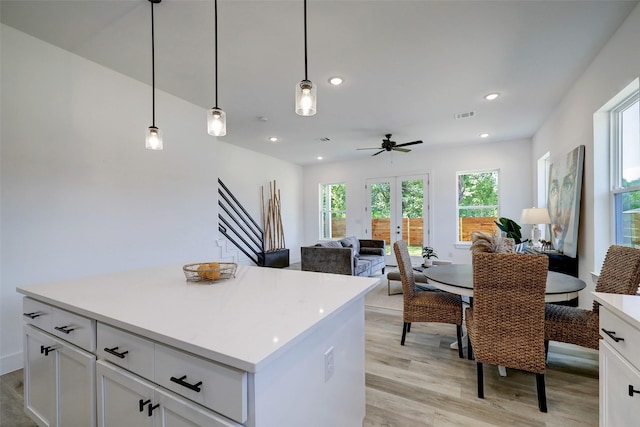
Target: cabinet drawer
[(76, 329), (619, 404), (126, 350), (628, 343), (36, 313), (215, 386)]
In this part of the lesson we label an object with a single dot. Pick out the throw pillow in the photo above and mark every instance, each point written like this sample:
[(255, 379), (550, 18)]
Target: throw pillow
[(330, 244), (352, 242)]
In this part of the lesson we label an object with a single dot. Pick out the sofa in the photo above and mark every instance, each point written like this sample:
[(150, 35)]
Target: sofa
[(350, 256)]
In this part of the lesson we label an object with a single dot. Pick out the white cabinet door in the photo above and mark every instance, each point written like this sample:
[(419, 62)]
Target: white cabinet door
[(619, 404), (39, 377), (178, 412), (123, 398), (76, 387)]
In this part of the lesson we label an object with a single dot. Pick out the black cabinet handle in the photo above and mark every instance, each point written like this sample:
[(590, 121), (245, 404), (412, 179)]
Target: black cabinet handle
[(182, 382), (612, 335), (32, 315), (46, 350), (142, 404), (66, 329), (115, 353), (631, 390), (152, 407)]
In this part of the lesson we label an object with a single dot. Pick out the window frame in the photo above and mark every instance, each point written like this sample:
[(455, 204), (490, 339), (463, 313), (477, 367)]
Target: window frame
[(464, 243), (616, 143), (326, 215)]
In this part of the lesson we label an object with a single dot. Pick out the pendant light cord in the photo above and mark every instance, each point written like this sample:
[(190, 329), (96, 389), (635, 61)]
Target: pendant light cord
[(305, 40), (215, 15), (153, 71)]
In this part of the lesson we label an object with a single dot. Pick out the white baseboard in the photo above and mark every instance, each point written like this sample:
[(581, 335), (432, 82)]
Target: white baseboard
[(10, 363)]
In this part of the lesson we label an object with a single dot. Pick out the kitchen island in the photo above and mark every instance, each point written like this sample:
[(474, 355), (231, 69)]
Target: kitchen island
[(270, 347)]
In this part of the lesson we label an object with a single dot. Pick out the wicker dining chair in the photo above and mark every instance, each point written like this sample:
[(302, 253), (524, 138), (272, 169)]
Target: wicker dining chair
[(620, 274), (506, 321), (436, 307)]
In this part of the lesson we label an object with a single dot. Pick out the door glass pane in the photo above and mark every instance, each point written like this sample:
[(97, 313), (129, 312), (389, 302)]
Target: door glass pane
[(412, 215), (381, 212)]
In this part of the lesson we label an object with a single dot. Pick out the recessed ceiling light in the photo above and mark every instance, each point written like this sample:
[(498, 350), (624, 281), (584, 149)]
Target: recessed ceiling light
[(484, 135), (319, 157), (491, 96), (336, 81), (273, 138)]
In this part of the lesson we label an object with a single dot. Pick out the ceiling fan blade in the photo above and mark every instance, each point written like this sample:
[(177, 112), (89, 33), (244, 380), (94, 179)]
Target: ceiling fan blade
[(404, 150), (369, 148), (409, 143), (381, 151)]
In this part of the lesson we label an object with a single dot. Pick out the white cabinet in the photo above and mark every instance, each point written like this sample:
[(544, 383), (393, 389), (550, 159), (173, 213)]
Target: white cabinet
[(59, 381), (125, 399), (619, 360), (619, 389)]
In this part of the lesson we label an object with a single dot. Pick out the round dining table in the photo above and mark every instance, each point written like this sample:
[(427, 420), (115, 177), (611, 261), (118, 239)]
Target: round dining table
[(458, 279)]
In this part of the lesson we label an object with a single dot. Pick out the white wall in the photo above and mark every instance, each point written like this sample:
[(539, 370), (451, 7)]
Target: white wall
[(512, 158), (80, 194), (572, 124)]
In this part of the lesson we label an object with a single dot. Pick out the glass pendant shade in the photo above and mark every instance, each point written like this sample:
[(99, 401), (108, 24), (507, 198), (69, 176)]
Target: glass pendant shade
[(153, 138), (305, 98), (216, 122)]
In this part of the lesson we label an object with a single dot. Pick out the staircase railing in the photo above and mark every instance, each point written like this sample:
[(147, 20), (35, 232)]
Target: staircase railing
[(238, 227)]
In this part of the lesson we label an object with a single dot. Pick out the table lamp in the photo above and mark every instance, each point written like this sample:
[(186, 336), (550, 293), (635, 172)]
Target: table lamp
[(535, 216)]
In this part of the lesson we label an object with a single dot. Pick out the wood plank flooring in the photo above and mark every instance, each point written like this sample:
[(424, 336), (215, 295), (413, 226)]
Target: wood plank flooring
[(425, 384)]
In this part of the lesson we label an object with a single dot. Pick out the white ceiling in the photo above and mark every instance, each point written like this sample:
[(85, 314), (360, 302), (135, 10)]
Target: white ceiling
[(409, 66)]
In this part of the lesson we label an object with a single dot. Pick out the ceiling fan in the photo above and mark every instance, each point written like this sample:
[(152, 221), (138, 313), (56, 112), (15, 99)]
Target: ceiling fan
[(389, 145)]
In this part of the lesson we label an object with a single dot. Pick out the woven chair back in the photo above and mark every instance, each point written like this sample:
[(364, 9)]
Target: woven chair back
[(508, 309), (620, 273), (406, 269)]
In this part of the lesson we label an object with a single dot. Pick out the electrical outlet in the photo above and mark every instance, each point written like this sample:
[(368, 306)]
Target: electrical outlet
[(328, 364)]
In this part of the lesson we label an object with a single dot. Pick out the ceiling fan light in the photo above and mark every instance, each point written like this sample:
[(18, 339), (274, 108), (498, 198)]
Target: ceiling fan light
[(305, 98), (153, 138), (216, 122)]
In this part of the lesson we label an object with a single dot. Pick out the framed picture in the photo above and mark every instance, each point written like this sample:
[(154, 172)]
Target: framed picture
[(565, 188)]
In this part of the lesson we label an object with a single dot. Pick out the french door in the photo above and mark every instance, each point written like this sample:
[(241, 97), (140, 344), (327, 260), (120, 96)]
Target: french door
[(398, 210)]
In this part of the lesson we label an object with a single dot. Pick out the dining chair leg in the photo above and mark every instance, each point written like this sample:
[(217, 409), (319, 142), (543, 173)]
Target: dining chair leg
[(469, 348), (546, 349), (480, 380), (404, 332), (459, 336), (409, 327), (542, 394)]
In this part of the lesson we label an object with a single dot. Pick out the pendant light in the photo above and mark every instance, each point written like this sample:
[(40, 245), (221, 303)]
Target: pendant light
[(216, 118), (305, 90), (153, 139)]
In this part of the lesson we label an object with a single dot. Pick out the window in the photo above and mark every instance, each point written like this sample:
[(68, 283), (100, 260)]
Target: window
[(625, 149), (477, 203), (333, 211)]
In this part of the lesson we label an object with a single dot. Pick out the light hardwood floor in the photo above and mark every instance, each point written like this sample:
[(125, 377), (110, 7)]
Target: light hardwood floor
[(424, 383)]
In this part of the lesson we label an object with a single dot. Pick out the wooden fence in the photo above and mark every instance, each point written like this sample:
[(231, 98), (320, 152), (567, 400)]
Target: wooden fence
[(412, 230)]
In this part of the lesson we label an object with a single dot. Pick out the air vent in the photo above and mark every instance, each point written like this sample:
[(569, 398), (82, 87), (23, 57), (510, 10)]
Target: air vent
[(466, 115)]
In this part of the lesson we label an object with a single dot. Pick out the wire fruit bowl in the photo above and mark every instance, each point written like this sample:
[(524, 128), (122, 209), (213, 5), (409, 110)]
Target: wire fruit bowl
[(209, 271)]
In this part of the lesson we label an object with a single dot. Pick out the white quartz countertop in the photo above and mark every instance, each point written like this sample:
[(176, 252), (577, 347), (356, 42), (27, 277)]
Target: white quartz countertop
[(243, 322), (626, 306)]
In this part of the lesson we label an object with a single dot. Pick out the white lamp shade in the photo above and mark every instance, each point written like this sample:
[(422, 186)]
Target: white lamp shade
[(305, 98), (535, 216), (216, 122), (153, 138)]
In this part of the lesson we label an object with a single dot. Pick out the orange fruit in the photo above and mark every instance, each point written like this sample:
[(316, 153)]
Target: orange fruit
[(215, 274), (203, 271)]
